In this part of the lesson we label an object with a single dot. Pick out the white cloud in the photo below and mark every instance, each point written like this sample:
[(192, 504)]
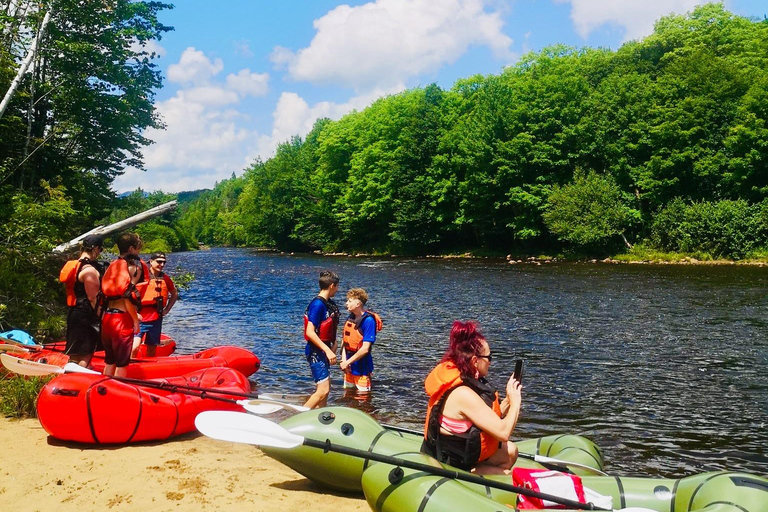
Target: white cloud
[(207, 136), (249, 84), (243, 48), (294, 116), (386, 42), (635, 17), (194, 68)]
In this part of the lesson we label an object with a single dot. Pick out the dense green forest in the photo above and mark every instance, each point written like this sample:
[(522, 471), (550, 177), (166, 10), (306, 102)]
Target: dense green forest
[(70, 125), (661, 144)]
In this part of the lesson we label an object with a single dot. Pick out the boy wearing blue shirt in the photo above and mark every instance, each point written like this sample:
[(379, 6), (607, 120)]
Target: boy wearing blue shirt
[(321, 320), (358, 338)]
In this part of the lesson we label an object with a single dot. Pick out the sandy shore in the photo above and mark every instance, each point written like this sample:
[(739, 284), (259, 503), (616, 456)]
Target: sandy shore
[(191, 472)]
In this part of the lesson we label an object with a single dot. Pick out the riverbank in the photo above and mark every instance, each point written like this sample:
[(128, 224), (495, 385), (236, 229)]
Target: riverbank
[(191, 472)]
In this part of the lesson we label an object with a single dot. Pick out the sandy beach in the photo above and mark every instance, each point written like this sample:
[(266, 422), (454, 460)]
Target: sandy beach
[(190, 472)]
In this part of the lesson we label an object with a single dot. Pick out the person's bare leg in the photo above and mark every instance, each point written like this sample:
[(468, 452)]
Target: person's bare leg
[(320, 397)]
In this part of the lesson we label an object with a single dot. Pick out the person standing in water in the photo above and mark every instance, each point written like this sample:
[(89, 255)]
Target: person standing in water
[(321, 321), (357, 339)]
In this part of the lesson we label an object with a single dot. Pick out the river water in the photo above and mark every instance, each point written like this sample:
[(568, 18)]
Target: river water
[(665, 367)]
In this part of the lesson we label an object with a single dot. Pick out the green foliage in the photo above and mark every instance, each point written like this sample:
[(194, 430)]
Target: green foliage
[(490, 164), (731, 229), (18, 394), (589, 211), (30, 230), (162, 233), (75, 122)]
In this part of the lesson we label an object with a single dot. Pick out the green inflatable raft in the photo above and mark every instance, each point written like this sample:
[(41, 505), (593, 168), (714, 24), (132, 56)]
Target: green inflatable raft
[(390, 488), (355, 429)]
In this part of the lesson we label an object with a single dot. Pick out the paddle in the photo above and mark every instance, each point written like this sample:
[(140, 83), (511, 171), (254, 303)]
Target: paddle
[(245, 428), (547, 462), (256, 404)]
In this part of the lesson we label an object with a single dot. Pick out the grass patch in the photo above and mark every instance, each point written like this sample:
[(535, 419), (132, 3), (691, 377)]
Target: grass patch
[(18, 394), (642, 252)]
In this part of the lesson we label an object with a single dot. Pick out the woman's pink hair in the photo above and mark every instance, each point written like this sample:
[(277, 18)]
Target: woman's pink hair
[(466, 341)]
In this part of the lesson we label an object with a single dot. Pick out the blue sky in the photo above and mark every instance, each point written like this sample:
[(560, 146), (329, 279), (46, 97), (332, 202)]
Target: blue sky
[(245, 75)]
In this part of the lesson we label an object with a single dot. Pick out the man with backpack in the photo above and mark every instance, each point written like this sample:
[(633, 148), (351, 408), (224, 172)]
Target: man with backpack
[(81, 278), (121, 288)]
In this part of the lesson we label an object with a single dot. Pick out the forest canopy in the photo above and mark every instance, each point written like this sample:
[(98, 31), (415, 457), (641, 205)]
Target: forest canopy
[(662, 142)]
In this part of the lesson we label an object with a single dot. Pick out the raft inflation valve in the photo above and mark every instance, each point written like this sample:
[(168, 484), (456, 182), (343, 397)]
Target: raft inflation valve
[(396, 475), (101, 390), (347, 429), (326, 418)]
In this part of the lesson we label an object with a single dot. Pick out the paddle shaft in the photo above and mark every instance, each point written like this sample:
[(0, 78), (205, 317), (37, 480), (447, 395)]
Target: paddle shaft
[(327, 446), (181, 388), (560, 465)]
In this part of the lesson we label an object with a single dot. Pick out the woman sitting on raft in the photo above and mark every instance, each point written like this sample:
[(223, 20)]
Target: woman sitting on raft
[(466, 426)]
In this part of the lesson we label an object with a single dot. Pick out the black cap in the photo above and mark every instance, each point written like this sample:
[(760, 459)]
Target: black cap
[(92, 241), (157, 256)]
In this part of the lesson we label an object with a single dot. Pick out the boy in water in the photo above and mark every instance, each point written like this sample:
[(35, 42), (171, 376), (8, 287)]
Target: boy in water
[(358, 337), (321, 320)]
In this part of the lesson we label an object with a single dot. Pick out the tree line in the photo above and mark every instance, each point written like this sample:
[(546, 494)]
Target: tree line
[(70, 124), (661, 143)]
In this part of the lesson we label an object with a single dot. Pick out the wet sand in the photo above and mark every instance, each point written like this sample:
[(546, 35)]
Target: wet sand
[(190, 472)]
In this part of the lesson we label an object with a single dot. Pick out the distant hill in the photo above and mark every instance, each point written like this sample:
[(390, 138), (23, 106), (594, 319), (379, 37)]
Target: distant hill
[(185, 197)]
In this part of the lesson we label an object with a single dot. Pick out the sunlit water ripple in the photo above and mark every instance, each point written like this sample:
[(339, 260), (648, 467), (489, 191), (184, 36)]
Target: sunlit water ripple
[(665, 367)]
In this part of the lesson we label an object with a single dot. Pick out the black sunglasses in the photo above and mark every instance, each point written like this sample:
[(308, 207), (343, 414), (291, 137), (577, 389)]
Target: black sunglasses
[(489, 357)]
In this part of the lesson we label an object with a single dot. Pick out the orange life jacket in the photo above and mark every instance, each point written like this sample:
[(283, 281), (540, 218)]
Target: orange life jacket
[(461, 450), (117, 282), (351, 336), (326, 331), (156, 288), (68, 275)]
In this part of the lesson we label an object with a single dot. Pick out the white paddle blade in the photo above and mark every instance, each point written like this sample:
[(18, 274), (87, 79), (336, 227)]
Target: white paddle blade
[(260, 408), (11, 348), (26, 367), (279, 403), (76, 368), (238, 427)]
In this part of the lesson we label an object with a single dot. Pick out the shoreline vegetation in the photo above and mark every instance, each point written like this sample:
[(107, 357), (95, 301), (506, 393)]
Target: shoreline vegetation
[(630, 258)]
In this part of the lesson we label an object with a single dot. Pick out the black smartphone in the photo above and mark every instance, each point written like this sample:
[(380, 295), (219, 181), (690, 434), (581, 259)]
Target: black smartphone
[(518, 375)]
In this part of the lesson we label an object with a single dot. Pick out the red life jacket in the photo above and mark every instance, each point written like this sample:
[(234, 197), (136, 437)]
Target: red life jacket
[(117, 282), (460, 450), (326, 331), (351, 336)]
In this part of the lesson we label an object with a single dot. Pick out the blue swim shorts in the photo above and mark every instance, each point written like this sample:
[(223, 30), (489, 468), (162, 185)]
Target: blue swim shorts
[(320, 366), (152, 331)]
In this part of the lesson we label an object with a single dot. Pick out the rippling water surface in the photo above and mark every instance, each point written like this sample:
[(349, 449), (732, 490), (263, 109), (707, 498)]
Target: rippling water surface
[(664, 367)]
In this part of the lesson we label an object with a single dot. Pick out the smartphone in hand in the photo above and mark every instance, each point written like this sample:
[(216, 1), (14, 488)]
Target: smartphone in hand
[(518, 375)]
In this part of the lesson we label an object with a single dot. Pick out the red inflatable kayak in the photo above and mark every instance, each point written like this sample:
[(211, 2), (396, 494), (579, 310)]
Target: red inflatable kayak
[(238, 358), (90, 408), (166, 347)]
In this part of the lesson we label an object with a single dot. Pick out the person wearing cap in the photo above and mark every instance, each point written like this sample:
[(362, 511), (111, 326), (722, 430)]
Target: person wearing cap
[(156, 302), (82, 278)]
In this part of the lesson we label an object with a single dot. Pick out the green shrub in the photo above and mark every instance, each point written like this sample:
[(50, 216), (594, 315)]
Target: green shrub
[(18, 394), (730, 229)]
